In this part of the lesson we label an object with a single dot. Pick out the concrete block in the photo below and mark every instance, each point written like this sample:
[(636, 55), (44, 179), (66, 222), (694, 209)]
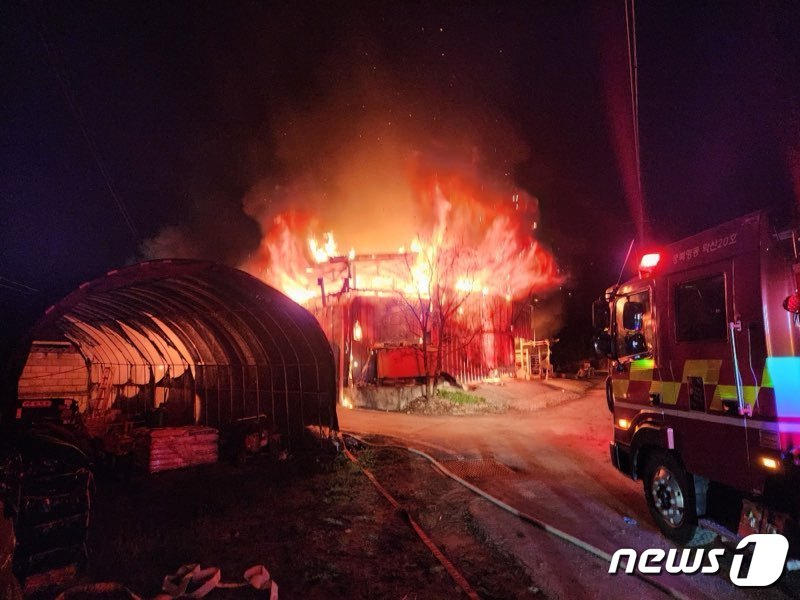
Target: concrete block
[(390, 398)]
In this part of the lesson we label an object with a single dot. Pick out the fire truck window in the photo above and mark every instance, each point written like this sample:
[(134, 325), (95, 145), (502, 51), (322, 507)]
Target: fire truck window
[(700, 309), (644, 326)]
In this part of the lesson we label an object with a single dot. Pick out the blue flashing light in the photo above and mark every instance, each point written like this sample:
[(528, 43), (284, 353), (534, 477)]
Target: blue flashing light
[(784, 373)]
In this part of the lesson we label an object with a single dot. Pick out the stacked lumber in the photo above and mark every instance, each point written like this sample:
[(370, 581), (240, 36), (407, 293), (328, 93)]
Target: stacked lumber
[(168, 448)]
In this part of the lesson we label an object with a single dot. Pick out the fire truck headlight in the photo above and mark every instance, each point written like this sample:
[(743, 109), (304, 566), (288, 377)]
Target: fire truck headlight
[(768, 462), (623, 424)]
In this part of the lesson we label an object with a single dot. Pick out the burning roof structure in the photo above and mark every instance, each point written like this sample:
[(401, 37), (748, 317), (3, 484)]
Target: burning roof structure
[(457, 288)]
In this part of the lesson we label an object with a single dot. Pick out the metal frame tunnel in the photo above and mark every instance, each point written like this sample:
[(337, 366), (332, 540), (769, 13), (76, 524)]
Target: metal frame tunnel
[(216, 342)]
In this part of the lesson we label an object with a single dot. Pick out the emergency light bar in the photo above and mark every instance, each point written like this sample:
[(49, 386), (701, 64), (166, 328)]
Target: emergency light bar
[(648, 263)]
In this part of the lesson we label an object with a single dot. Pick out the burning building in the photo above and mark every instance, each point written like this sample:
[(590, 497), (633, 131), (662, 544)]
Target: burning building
[(452, 301)]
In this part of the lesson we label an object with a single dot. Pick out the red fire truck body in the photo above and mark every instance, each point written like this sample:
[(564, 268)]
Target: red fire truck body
[(705, 383)]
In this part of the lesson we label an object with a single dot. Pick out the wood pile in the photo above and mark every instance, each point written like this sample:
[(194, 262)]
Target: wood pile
[(168, 448)]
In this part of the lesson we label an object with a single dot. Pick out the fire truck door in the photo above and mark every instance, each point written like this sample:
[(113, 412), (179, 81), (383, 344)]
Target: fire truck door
[(710, 432)]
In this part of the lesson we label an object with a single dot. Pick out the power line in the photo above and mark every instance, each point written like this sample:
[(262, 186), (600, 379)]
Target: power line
[(633, 75), (17, 287), (633, 78), (69, 95), (10, 282)]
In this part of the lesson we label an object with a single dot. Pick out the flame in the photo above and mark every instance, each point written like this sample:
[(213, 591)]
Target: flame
[(475, 243), (465, 284), (324, 252)]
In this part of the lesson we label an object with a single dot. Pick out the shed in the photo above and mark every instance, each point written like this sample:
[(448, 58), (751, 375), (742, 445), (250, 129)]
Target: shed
[(194, 341)]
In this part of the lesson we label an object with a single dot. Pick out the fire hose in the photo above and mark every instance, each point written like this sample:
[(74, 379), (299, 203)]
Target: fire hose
[(454, 573), (538, 523)]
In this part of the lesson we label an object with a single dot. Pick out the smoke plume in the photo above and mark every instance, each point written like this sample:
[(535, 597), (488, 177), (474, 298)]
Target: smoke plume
[(359, 154)]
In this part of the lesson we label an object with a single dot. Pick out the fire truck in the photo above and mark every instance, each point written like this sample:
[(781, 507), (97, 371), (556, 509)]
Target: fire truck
[(704, 383)]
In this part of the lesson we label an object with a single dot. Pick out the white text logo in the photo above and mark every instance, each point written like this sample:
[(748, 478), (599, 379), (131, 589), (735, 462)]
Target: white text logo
[(766, 564)]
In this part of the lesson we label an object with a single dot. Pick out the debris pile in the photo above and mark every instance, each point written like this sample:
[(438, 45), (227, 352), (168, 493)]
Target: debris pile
[(189, 581)]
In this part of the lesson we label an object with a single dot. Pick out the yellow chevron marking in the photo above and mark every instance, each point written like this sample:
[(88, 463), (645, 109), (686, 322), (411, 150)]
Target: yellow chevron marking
[(766, 378), (643, 364), (620, 387), (708, 370), (668, 390), (642, 375), (642, 369), (728, 392)]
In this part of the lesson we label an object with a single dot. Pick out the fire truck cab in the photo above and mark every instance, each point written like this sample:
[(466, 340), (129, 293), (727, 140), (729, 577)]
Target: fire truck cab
[(704, 385)]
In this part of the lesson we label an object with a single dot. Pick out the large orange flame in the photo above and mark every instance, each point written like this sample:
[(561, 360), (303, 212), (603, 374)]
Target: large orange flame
[(476, 241)]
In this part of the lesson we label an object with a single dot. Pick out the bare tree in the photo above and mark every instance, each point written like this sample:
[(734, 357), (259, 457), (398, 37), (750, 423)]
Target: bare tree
[(442, 280), (419, 303)]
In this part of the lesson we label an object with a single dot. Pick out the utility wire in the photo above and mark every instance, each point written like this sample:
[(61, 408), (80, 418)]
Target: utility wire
[(10, 283), (16, 286), (66, 88), (633, 78), (16, 290)]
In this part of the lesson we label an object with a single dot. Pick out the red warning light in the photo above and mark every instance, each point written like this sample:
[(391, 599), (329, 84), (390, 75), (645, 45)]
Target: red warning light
[(648, 264), (649, 261)]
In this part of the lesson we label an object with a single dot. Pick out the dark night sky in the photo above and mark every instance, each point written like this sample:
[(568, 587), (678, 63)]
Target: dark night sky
[(188, 107)]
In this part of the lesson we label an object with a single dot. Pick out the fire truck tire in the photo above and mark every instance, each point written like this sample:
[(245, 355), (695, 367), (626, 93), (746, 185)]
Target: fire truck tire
[(669, 492), (609, 394)]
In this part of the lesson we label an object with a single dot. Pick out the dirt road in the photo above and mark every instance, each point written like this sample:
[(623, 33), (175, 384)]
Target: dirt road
[(559, 472)]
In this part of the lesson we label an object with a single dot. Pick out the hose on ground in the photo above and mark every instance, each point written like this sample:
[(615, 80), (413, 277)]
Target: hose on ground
[(538, 523), (454, 573)]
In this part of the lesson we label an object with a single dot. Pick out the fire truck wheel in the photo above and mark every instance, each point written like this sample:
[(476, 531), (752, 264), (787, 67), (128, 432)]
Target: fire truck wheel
[(669, 491), (609, 394)]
